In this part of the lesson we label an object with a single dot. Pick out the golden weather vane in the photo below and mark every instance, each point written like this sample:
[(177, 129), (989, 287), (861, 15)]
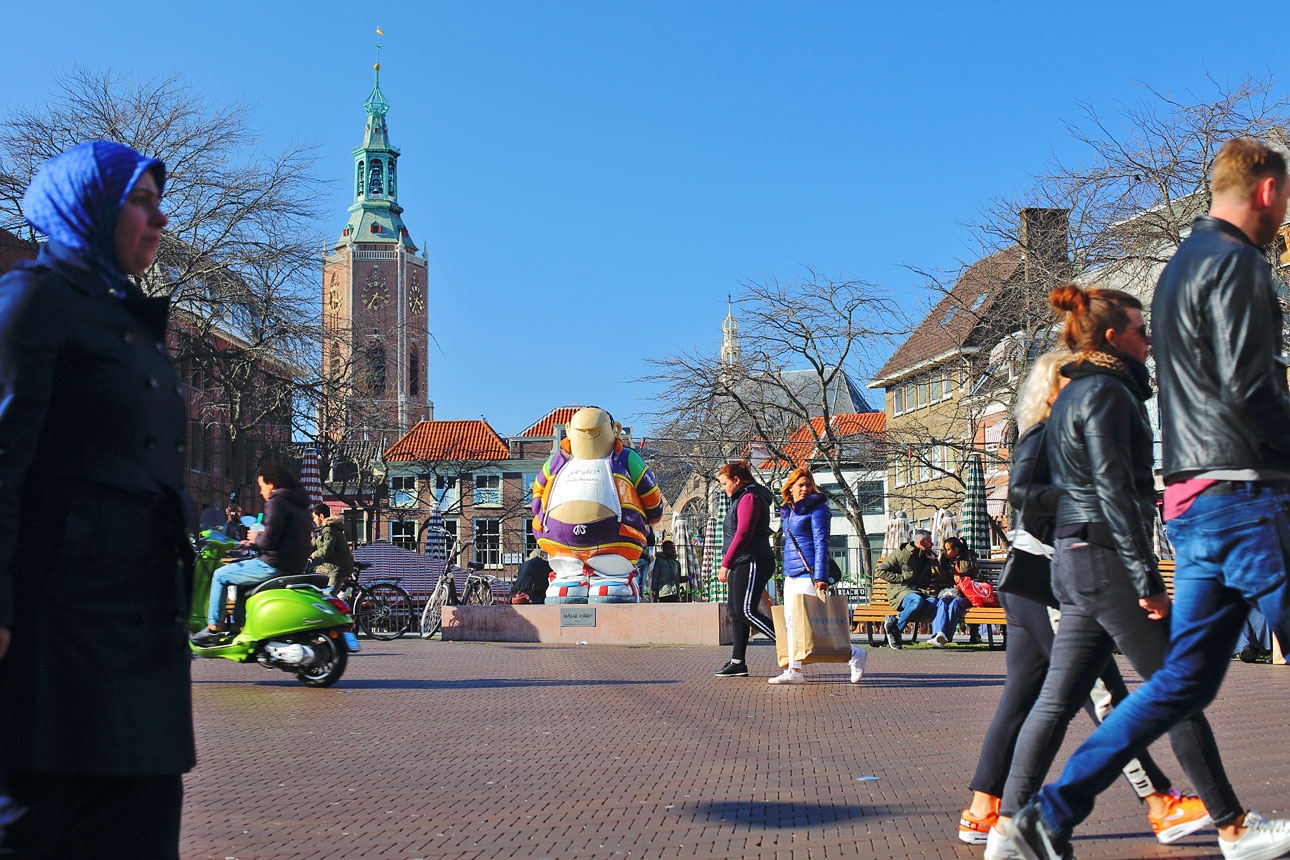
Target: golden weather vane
[(379, 33)]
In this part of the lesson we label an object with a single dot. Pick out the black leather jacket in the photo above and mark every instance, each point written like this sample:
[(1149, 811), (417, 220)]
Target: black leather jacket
[(1099, 448), (1217, 337), (1030, 483)]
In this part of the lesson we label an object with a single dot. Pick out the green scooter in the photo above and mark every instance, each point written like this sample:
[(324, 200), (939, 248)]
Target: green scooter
[(291, 623)]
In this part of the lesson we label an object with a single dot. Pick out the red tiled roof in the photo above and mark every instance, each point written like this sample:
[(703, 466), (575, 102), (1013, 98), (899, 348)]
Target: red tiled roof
[(936, 335), (800, 447), (13, 250), (545, 426), (449, 440)]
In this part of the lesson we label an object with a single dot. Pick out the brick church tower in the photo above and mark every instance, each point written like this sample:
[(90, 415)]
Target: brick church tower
[(375, 328)]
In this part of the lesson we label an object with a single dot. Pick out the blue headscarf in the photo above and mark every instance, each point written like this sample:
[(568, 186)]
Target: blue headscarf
[(76, 198)]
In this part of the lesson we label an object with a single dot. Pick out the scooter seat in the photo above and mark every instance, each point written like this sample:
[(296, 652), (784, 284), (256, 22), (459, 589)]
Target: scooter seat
[(316, 579)]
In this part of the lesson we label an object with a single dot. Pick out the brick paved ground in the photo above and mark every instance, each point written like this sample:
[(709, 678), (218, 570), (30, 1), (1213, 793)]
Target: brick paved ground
[(470, 750)]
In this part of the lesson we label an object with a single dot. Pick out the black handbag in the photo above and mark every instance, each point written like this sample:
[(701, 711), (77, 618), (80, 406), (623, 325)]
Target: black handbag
[(1025, 574)]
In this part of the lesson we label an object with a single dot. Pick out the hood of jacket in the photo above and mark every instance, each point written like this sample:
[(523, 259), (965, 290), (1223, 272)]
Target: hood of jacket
[(75, 199), (809, 503), (334, 521), (294, 496)]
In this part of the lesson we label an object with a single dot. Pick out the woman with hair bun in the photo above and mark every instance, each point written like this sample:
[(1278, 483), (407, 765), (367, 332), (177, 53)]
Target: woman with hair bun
[(747, 561), (1104, 571)]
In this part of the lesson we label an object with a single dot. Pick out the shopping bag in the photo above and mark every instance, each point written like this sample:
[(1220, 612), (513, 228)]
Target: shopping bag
[(781, 635), (825, 637)]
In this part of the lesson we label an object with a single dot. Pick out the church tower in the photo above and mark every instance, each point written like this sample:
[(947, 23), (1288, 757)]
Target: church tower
[(729, 339), (375, 325)]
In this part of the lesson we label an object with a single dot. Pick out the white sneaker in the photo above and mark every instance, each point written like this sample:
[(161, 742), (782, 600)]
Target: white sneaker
[(999, 847), (788, 676), (857, 666), (1263, 839), (938, 640)]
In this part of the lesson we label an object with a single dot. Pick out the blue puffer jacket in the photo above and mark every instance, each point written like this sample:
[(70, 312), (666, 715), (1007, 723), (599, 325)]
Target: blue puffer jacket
[(808, 523)]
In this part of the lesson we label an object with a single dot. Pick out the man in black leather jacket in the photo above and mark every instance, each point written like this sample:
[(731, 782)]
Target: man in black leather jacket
[(1225, 415)]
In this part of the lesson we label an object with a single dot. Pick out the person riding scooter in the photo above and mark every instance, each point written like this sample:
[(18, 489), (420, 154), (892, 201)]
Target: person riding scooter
[(284, 545)]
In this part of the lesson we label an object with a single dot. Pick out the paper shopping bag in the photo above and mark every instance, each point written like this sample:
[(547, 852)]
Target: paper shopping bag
[(781, 635), (824, 635)]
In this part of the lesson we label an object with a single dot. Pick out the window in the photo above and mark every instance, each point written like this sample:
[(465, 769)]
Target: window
[(488, 490), (376, 377), (909, 397), (980, 300), (897, 401), (390, 181), (403, 491), (947, 387), (403, 533), (530, 542), (922, 393), (949, 315), (445, 490), (526, 484), (376, 179), (869, 495), (924, 469), (450, 526), (358, 188), (936, 388), (355, 526), (414, 373), (488, 542)]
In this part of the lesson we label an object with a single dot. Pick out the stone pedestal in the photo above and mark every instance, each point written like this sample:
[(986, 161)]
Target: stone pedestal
[(595, 624)]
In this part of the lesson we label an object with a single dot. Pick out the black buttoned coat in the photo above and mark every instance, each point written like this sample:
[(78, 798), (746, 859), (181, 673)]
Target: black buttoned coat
[(94, 561)]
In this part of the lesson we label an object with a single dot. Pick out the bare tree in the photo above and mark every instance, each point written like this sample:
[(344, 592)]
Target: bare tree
[(239, 258), (798, 342), (1112, 214)]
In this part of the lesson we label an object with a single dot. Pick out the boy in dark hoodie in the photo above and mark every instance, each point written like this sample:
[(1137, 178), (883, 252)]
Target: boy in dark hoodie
[(284, 544)]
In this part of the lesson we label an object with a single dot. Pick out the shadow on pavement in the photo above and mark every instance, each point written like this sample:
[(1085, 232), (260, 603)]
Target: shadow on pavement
[(884, 679), (783, 814), (469, 684)]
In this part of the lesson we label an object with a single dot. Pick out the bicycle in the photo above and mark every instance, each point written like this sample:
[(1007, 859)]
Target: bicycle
[(478, 591), (382, 609)]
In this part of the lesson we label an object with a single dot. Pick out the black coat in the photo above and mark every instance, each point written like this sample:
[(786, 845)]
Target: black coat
[(1217, 341), (1030, 484), (94, 561), (1099, 448)]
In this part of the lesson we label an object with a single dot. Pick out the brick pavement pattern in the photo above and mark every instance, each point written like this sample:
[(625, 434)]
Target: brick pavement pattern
[(473, 750)]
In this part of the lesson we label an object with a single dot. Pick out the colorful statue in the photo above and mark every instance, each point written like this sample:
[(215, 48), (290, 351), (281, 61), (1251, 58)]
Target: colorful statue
[(592, 503)]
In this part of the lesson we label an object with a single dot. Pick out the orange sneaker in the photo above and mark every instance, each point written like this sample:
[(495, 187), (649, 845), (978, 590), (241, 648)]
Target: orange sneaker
[(975, 831), (1182, 815)]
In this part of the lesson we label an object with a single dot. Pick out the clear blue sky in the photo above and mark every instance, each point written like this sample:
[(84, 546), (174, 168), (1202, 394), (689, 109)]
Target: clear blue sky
[(603, 174)]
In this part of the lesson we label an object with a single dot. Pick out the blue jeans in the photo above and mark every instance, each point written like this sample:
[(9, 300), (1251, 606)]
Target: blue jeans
[(949, 612), (1231, 551), (238, 573), (912, 607)]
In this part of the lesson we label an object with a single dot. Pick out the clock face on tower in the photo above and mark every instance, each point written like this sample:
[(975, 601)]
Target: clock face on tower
[(376, 294), (333, 293), (416, 296)]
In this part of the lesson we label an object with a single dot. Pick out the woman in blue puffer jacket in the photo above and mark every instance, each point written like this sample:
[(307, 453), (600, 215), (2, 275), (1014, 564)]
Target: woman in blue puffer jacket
[(805, 520)]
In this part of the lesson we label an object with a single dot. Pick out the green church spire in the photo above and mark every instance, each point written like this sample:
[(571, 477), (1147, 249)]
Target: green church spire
[(374, 216)]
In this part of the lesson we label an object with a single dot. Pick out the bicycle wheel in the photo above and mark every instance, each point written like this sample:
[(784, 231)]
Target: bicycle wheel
[(390, 614), (432, 615)]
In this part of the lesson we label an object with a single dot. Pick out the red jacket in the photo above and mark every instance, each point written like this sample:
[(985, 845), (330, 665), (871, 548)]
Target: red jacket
[(977, 593)]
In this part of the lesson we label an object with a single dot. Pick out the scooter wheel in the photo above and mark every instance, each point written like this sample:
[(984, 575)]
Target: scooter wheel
[(330, 665)]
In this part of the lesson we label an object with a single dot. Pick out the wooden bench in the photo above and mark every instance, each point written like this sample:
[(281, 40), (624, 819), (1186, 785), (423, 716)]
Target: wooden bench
[(878, 610)]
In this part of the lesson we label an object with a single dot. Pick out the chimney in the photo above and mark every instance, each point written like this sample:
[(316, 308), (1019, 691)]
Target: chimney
[(1044, 236)]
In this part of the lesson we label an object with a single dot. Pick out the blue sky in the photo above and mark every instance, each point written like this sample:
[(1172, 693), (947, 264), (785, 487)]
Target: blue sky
[(591, 179)]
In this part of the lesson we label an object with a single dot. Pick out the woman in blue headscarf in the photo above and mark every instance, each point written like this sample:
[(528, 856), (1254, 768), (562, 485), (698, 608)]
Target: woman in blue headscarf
[(94, 573)]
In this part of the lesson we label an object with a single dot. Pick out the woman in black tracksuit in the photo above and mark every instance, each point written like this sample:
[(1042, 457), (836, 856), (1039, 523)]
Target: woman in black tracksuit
[(747, 563)]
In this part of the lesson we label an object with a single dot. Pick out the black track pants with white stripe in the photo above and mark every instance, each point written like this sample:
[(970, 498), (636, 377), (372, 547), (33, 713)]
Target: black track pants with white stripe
[(747, 581)]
